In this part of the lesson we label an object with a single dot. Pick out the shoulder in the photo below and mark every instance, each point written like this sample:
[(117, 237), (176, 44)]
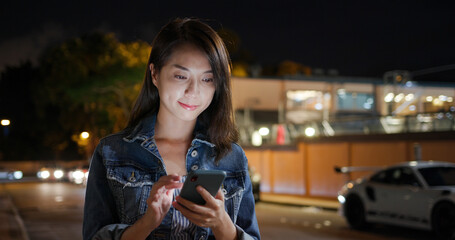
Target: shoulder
[(114, 138), (235, 159), (110, 142)]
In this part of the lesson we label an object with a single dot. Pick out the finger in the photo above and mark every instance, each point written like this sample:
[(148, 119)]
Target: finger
[(189, 205), (173, 185), (170, 178), (209, 200), (220, 195), (191, 215)]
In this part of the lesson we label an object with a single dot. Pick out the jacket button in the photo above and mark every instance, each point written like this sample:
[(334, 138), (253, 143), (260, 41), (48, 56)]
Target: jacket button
[(194, 167), (132, 178), (194, 153)]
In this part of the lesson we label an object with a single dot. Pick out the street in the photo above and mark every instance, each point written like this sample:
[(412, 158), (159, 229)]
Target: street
[(54, 211)]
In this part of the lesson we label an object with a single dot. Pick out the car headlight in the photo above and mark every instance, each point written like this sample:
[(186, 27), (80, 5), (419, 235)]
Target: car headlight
[(18, 174), (44, 174), (341, 199), (58, 174)]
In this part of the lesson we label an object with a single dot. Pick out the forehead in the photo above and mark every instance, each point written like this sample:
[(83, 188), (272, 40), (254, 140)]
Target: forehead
[(187, 52)]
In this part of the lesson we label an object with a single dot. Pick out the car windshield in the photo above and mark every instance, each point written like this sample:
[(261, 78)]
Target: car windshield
[(439, 176)]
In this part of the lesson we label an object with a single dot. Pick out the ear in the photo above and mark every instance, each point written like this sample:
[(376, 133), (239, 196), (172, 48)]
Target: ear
[(153, 74)]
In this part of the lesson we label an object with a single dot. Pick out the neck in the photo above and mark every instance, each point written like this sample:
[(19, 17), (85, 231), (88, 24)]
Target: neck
[(174, 129)]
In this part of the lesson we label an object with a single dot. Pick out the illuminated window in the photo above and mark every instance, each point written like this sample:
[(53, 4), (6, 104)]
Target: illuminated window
[(307, 100), (354, 101)]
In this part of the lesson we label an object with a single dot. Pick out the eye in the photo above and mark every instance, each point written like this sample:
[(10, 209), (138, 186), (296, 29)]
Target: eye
[(180, 77), (207, 80)]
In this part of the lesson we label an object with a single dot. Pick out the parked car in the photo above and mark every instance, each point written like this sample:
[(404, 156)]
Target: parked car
[(10, 174), (417, 194)]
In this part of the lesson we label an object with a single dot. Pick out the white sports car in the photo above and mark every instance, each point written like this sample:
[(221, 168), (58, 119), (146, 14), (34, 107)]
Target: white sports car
[(419, 194)]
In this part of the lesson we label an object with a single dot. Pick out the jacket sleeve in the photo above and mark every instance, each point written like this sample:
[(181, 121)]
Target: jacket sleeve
[(246, 224), (100, 215)]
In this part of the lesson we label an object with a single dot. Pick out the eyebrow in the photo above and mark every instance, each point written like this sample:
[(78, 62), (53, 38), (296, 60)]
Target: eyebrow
[(186, 69)]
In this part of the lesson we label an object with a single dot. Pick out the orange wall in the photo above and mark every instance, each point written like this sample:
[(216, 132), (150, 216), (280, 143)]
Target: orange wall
[(321, 159), (309, 169)]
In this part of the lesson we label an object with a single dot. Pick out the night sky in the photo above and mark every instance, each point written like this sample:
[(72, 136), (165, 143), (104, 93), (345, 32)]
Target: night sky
[(358, 38)]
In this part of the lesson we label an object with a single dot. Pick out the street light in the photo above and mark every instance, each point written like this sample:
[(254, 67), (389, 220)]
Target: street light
[(84, 135), (5, 122)]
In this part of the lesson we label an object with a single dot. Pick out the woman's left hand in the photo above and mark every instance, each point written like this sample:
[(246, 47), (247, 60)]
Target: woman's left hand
[(211, 215)]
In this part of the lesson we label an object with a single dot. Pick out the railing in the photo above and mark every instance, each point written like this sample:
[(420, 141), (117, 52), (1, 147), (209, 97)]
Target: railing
[(287, 134)]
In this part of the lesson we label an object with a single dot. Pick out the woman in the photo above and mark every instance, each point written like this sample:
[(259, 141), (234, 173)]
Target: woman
[(182, 121)]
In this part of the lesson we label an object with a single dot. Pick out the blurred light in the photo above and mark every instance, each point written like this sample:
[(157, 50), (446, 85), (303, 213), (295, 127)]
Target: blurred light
[(5, 122), (443, 98), (450, 99), (264, 131), (256, 177), (367, 105), (309, 132), (409, 84), (437, 102), (256, 139), (318, 106), (327, 96), (350, 185), (85, 135), (399, 97), (44, 174), (341, 199), (78, 174), (429, 98), (412, 108), (409, 97), (341, 92), (389, 97), (18, 174), (58, 174), (58, 199)]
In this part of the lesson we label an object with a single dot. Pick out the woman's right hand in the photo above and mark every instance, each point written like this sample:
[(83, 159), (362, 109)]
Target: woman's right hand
[(158, 204), (160, 199)]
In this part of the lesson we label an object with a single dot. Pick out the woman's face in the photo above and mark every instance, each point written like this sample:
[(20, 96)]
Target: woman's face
[(185, 84)]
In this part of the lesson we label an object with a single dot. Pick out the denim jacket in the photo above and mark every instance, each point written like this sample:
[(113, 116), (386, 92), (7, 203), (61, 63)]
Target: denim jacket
[(124, 168)]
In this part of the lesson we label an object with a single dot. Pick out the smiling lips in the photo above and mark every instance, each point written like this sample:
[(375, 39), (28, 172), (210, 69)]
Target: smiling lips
[(188, 107)]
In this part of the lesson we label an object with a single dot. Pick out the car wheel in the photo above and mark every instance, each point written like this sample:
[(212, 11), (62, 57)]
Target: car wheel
[(443, 220), (355, 212)]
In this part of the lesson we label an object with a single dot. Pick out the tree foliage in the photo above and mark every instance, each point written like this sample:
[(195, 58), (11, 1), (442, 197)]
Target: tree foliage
[(290, 68), (89, 84)]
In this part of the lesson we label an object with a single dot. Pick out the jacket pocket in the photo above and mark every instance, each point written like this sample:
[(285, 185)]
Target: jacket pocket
[(233, 187), (131, 187)]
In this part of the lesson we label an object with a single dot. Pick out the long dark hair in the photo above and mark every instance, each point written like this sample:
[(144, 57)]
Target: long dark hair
[(218, 118)]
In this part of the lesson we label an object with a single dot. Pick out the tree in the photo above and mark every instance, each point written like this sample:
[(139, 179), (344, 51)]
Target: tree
[(89, 84), (290, 68)]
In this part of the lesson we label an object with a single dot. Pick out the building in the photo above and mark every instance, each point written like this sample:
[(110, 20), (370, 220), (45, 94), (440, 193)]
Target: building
[(280, 111)]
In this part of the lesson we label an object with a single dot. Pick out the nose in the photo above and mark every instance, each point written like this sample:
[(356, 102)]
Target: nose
[(192, 89)]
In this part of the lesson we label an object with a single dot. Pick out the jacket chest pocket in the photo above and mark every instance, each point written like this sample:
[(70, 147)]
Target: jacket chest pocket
[(233, 187), (131, 187)]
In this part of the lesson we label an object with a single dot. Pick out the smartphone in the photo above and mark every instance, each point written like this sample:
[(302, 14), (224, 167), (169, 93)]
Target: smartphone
[(211, 180)]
